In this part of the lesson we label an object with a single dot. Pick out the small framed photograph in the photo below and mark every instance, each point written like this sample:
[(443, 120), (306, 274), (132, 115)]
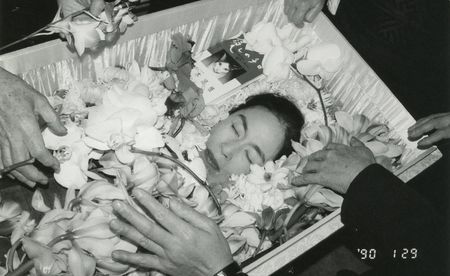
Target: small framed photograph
[(226, 67)]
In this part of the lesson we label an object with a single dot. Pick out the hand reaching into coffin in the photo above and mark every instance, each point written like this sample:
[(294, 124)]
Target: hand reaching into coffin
[(336, 166), (430, 130), (299, 11), (180, 241), (20, 135), (70, 6)]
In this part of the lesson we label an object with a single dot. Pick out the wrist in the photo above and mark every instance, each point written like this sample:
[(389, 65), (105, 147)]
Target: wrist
[(232, 269)]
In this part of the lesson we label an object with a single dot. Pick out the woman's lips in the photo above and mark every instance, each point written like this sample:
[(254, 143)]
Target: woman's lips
[(211, 160)]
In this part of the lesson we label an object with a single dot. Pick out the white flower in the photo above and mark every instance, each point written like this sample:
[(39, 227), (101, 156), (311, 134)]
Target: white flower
[(191, 137), (145, 174), (122, 119), (322, 59), (211, 115), (72, 153), (276, 63), (86, 34), (260, 188)]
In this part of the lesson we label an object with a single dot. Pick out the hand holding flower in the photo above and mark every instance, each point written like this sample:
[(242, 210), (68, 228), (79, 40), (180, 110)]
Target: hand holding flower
[(20, 136), (191, 245)]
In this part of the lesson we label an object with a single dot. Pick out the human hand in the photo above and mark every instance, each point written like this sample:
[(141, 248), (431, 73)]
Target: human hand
[(299, 11), (20, 135), (436, 127), (180, 242), (71, 6), (336, 166)]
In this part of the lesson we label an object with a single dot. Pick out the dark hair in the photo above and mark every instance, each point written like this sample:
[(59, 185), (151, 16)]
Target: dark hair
[(287, 113)]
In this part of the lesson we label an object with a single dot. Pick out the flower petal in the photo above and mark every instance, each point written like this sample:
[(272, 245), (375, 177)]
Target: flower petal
[(239, 219), (37, 201), (252, 236), (79, 263), (148, 138), (71, 176)]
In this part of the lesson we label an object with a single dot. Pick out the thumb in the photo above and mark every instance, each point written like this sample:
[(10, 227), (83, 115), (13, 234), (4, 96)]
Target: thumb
[(45, 110), (312, 13), (97, 6), (355, 142)]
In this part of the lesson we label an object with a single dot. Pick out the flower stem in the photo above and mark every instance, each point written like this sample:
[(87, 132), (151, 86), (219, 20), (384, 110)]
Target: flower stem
[(22, 269), (263, 237), (187, 169), (180, 128), (40, 30), (10, 264)]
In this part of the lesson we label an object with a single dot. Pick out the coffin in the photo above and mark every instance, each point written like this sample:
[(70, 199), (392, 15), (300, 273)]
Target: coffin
[(52, 65)]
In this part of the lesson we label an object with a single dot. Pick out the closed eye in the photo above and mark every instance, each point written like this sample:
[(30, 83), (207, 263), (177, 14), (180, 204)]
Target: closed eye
[(247, 155), (235, 130)]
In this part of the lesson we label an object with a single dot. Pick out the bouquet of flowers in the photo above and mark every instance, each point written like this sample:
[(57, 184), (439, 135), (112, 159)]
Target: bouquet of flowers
[(143, 127)]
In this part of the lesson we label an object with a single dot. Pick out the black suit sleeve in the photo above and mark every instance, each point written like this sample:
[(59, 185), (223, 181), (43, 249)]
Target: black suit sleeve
[(388, 215)]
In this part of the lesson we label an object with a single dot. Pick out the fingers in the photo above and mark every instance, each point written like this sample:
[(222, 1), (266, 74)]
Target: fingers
[(45, 110), (312, 13), (434, 138), (146, 227), (36, 147), (135, 236), (20, 177), (318, 155), (355, 142), (190, 215), (137, 259), (426, 125), (97, 6), (312, 166), (299, 14), (333, 146), (161, 214), (306, 179), (29, 172)]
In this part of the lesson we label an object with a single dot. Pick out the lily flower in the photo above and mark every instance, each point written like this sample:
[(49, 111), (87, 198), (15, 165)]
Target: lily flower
[(72, 153), (145, 174), (122, 119), (79, 263), (45, 261), (37, 201)]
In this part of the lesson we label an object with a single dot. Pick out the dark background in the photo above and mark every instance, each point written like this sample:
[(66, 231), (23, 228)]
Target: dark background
[(404, 41), (19, 18)]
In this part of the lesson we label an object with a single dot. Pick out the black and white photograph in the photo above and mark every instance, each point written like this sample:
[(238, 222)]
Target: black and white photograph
[(223, 66), (224, 138)]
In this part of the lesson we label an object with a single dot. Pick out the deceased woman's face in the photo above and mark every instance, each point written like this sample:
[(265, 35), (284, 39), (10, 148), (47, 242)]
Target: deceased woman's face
[(250, 136)]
